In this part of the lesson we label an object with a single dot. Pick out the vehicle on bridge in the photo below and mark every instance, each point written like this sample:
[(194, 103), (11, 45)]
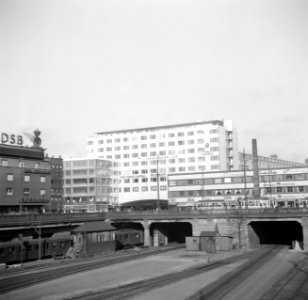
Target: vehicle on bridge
[(249, 203)]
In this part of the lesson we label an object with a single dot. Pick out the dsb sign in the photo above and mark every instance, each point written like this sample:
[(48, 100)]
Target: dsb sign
[(11, 139)]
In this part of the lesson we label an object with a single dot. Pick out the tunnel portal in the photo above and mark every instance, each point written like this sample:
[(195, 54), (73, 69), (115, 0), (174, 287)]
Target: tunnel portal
[(275, 232), (174, 231)]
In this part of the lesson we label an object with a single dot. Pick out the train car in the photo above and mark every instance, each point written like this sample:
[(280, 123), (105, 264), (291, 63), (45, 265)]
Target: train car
[(128, 238), (34, 248), (57, 245), (12, 252)]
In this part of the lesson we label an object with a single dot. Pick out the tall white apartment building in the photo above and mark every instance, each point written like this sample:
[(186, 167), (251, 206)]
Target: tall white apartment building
[(147, 155)]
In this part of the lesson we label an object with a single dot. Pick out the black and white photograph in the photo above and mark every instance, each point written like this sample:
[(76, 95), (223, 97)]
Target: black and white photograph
[(154, 149)]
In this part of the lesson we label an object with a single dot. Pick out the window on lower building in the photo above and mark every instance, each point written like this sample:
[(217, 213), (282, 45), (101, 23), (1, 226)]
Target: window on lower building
[(144, 189), (9, 192), (26, 192), (27, 178), (43, 179), (126, 189), (42, 192), (136, 189), (10, 177), (290, 189)]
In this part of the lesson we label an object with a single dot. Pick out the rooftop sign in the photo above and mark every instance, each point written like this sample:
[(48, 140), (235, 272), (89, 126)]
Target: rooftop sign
[(11, 139)]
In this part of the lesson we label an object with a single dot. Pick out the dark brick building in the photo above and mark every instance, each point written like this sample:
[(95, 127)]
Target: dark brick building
[(56, 192), (25, 179)]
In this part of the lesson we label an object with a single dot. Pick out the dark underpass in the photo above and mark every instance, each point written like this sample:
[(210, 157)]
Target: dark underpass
[(275, 232), (174, 231)]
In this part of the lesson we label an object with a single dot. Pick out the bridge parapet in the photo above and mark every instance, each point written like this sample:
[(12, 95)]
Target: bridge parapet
[(32, 219), (216, 214), (23, 220)]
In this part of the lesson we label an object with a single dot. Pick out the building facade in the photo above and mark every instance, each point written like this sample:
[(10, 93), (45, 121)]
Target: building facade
[(90, 184), (56, 192), (210, 189), (147, 155), (25, 179), (266, 162)]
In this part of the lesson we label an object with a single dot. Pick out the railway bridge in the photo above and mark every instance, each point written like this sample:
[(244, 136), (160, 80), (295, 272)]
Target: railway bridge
[(248, 228)]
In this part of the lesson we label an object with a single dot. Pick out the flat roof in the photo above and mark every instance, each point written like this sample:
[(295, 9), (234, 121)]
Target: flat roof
[(97, 226), (21, 152), (214, 122)]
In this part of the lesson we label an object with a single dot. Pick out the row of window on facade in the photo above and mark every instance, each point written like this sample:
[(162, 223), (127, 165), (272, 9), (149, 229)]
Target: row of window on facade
[(92, 180), (26, 192), (143, 189), (89, 163), (90, 172), (200, 193), (151, 137), (21, 164), (143, 180), (10, 177), (91, 190), (161, 161), (169, 144), (160, 153), (264, 179)]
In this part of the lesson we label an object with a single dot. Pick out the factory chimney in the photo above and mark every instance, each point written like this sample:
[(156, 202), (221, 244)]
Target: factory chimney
[(255, 166)]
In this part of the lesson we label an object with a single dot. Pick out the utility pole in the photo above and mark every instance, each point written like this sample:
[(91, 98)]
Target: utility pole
[(38, 230), (22, 186), (157, 179), (245, 179)]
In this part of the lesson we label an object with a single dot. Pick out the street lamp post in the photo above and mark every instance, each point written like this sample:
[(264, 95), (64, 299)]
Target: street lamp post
[(157, 179)]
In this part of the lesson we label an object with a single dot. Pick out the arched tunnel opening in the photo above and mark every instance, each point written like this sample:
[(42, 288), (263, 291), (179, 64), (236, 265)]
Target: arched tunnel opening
[(172, 232), (160, 233), (275, 232)]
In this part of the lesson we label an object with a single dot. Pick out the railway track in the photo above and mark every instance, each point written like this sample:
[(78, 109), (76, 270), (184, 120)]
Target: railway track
[(16, 281), (293, 285), (217, 290), (129, 290), (139, 287)]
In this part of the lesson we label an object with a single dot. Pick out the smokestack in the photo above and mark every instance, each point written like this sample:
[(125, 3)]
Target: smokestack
[(256, 182)]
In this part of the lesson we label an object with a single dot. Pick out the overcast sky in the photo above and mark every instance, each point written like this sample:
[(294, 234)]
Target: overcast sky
[(72, 68)]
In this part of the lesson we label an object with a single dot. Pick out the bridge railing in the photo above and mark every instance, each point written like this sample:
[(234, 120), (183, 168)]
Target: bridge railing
[(210, 212), (48, 218), (7, 220)]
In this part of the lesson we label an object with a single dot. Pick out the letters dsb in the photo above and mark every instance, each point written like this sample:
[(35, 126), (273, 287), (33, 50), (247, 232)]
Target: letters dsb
[(11, 139)]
